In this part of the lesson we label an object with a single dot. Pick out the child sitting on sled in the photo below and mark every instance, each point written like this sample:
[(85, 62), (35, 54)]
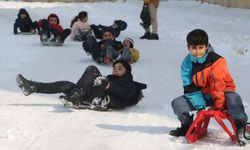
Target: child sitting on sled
[(80, 27), (128, 53), (207, 82), (50, 30), (99, 50), (24, 23)]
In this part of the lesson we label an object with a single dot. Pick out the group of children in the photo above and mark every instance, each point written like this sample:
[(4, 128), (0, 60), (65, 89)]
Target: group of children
[(97, 40), (49, 29), (206, 79)]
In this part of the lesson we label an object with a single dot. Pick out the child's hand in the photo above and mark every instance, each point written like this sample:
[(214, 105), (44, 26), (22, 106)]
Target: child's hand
[(102, 81)]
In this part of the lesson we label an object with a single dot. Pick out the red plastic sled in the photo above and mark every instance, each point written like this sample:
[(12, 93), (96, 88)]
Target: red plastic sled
[(200, 125)]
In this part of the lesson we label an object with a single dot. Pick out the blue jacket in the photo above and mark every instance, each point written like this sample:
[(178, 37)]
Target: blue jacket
[(194, 94)]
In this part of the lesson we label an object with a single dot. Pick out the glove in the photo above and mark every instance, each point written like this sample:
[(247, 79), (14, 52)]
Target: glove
[(102, 81)]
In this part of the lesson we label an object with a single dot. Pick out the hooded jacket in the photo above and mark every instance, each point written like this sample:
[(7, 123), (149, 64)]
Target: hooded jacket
[(123, 91), (57, 27), (122, 25), (206, 78), (24, 25)]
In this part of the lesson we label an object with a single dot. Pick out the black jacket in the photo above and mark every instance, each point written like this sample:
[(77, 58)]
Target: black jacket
[(24, 25), (123, 91)]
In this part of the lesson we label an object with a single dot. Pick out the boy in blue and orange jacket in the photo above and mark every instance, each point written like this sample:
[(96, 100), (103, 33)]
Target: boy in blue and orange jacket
[(207, 82)]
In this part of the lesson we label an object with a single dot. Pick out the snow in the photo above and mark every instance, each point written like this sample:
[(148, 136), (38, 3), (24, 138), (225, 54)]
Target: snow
[(40, 122)]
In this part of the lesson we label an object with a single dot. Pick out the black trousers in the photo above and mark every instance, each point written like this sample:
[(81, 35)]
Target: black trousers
[(85, 82), (91, 46)]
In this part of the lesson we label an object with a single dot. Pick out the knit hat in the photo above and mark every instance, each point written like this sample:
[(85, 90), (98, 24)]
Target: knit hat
[(125, 64), (130, 41), (122, 25)]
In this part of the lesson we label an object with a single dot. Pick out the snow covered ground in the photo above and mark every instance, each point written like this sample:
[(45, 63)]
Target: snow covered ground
[(40, 122)]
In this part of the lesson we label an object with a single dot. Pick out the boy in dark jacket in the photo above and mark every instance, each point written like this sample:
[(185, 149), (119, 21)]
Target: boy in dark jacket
[(207, 82), (115, 28), (98, 50), (24, 23), (92, 91), (50, 29)]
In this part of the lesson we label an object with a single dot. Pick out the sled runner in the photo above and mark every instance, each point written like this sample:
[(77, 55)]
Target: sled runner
[(52, 41), (199, 127), (28, 33), (86, 105)]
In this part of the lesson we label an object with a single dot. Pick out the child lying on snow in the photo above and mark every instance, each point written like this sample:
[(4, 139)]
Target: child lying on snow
[(92, 91)]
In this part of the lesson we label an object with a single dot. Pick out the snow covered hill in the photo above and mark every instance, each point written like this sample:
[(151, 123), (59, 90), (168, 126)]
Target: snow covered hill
[(40, 122)]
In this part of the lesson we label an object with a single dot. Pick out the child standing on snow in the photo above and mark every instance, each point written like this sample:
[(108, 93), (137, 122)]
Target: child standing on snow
[(207, 82), (80, 27), (152, 6), (24, 22), (115, 28), (50, 29), (117, 90)]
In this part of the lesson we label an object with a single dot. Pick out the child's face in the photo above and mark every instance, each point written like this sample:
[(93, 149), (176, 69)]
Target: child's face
[(197, 50), (126, 43), (108, 36), (118, 70), (85, 19), (53, 20), (23, 16)]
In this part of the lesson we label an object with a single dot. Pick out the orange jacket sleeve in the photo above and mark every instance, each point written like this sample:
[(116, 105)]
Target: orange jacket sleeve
[(217, 83)]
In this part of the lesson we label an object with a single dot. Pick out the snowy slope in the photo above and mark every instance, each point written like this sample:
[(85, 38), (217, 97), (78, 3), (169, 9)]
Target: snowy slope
[(40, 122)]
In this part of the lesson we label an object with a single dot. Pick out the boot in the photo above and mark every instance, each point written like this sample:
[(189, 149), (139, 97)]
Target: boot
[(240, 129), (146, 35), (154, 36), (75, 96), (181, 131), (28, 87)]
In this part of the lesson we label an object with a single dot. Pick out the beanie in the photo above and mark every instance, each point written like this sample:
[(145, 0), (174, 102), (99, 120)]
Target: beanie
[(130, 41)]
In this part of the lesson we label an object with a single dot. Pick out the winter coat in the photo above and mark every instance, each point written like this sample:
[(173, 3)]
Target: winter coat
[(123, 91), (102, 45), (24, 25), (206, 78), (122, 25), (78, 27), (57, 28)]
